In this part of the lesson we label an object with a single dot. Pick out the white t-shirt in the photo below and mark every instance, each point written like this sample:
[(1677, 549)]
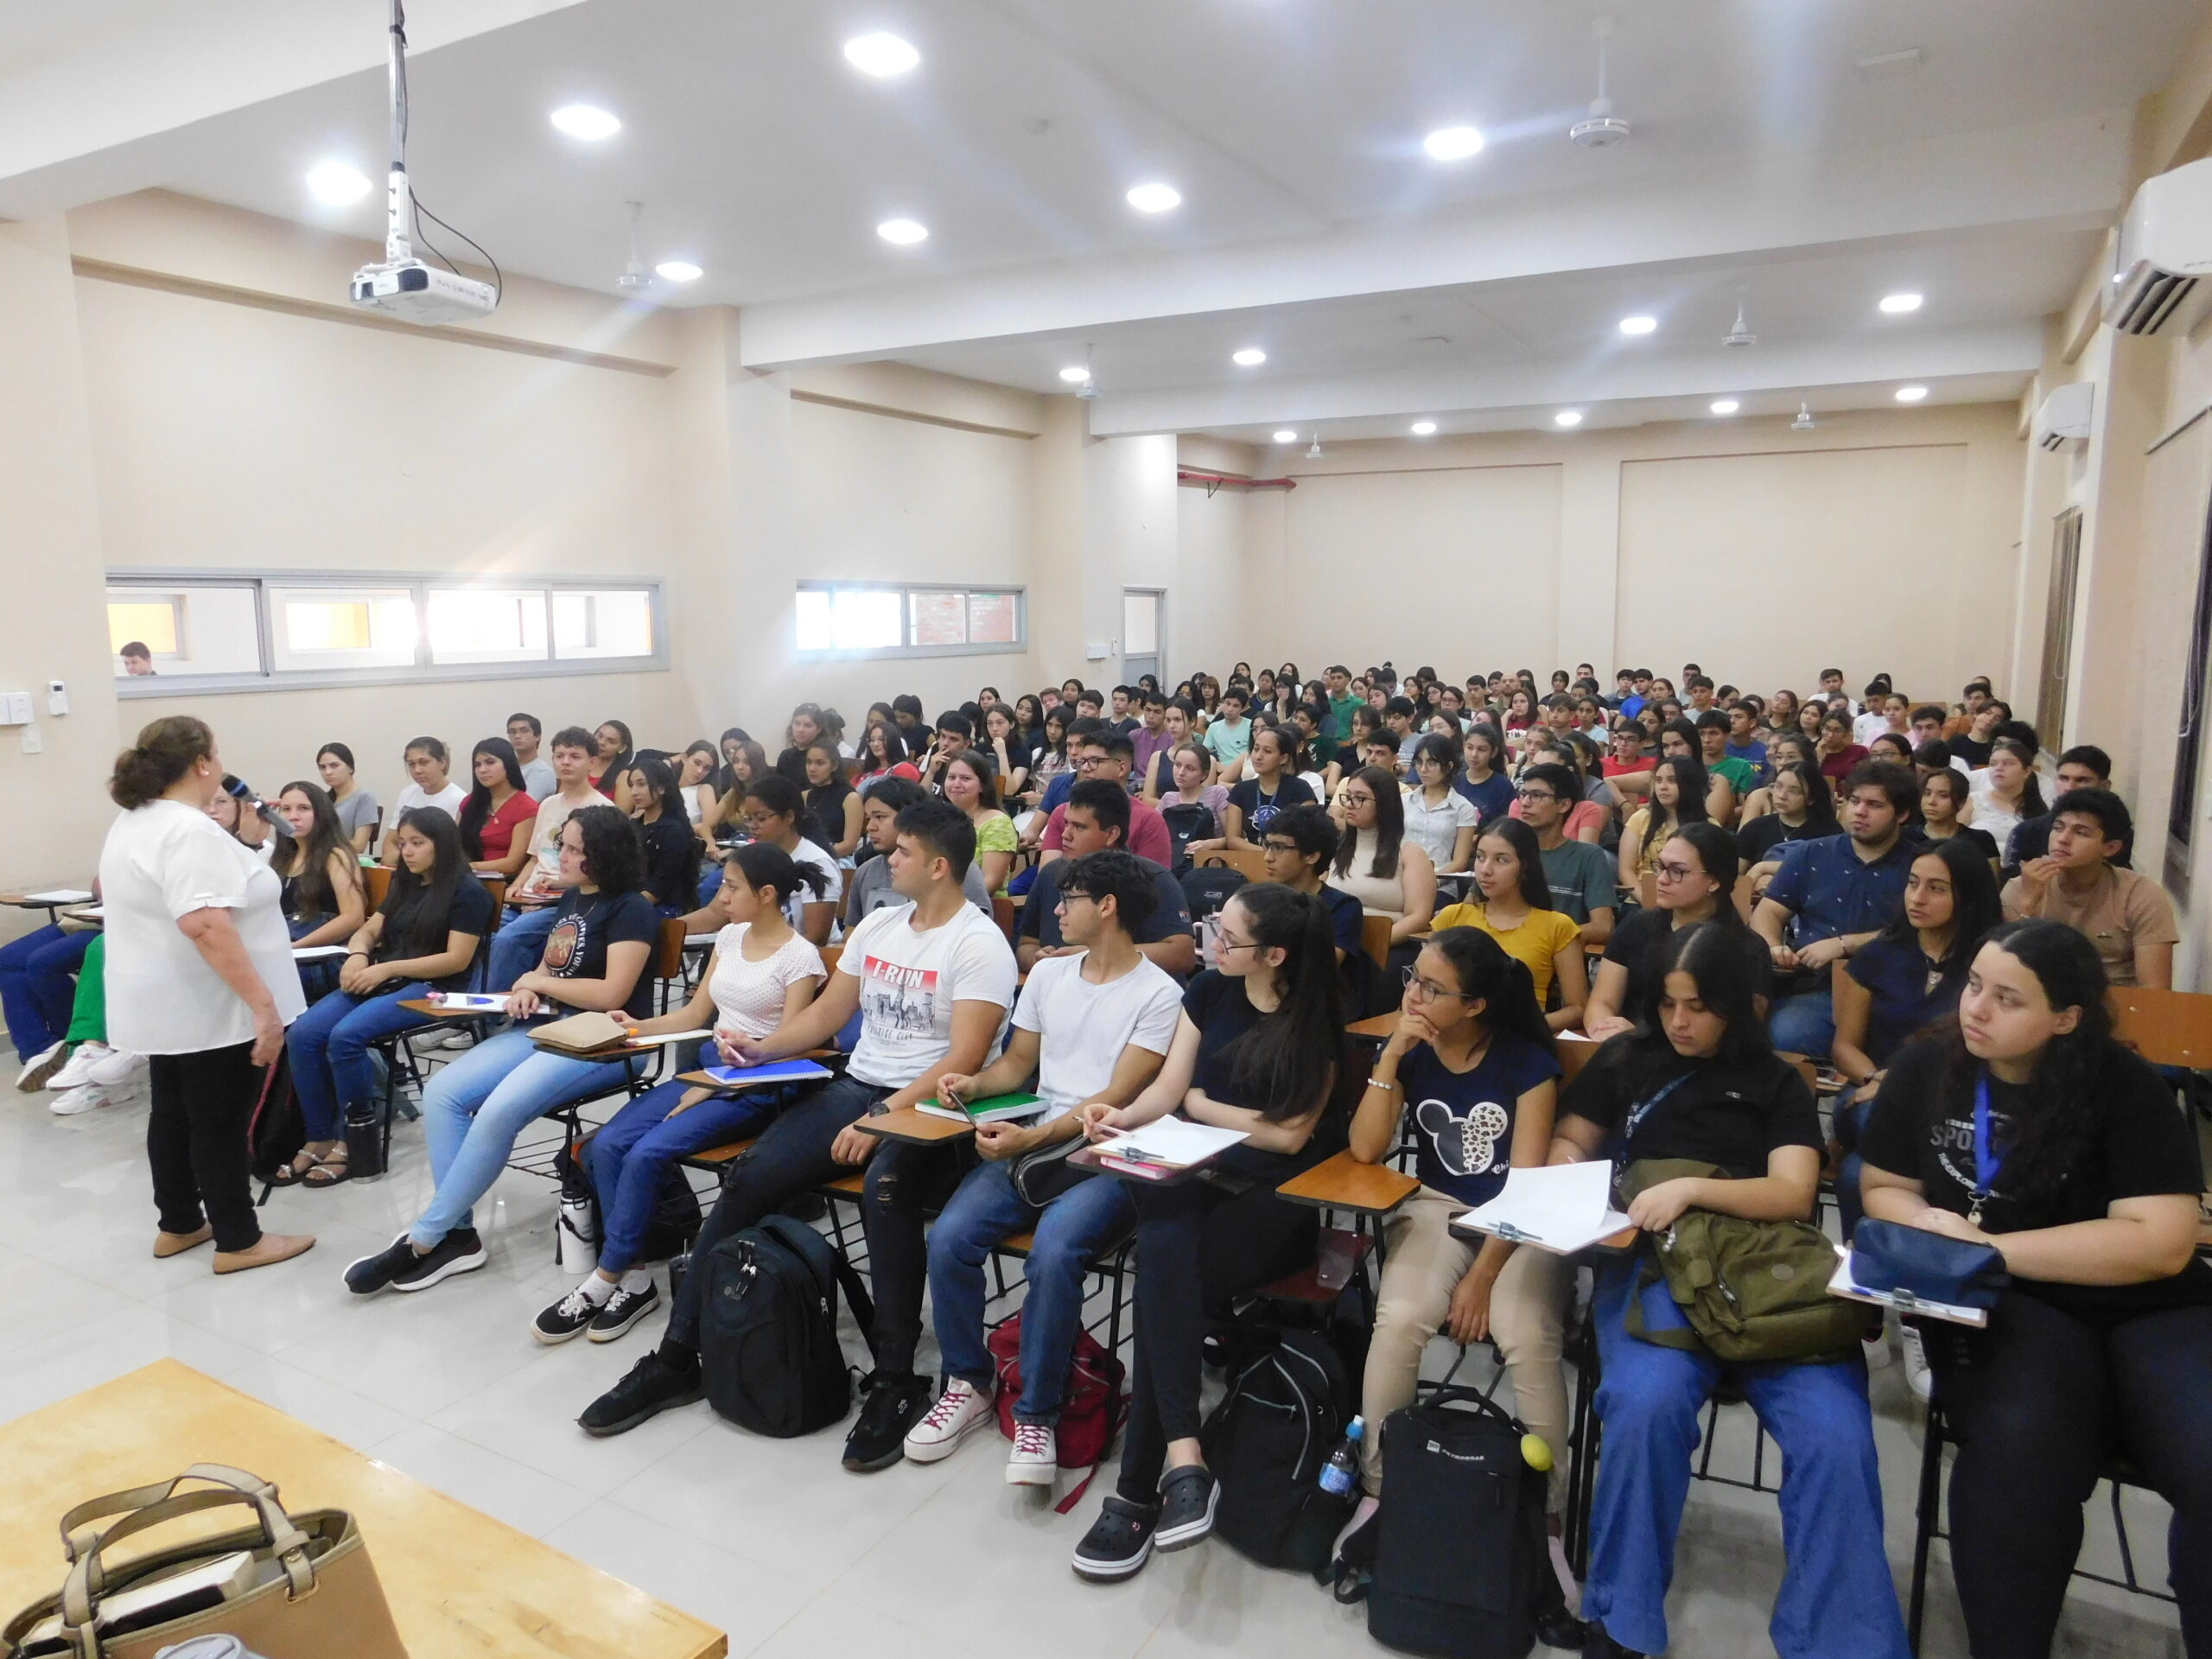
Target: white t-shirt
[(1868, 727), (909, 981), (545, 840), (1988, 814), (448, 799), (808, 853), (749, 996), (1435, 829), (160, 862), (1083, 1027)]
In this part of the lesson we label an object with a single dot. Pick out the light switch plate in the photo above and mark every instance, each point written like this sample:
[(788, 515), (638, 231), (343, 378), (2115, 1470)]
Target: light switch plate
[(15, 708), (33, 742)]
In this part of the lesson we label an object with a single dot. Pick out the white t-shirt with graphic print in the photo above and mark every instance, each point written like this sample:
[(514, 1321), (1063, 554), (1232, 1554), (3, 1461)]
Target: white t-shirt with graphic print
[(909, 980)]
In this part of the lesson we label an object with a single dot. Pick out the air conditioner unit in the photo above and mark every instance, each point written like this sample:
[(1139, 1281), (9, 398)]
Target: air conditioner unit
[(2062, 422), (2161, 279)]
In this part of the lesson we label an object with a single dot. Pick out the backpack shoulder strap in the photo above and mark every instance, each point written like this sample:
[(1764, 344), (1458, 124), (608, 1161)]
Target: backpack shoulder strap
[(818, 1254)]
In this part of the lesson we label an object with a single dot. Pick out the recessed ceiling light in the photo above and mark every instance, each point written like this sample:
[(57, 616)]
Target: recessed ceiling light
[(1452, 144), (1286, 436), (1898, 304), (336, 184), (1639, 325), (1155, 198), (1250, 358), (679, 271), (1074, 374), (1567, 418), (903, 232), (1911, 394), (881, 55), (1422, 428), (586, 122), (1725, 405)]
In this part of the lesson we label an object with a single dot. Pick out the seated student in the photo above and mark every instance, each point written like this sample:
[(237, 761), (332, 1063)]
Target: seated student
[(1228, 736), (319, 868), (1268, 787), (2004, 793), (1743, 743), (1783, 749), (535, 892), (805, 728), (2028, 1128), (357, 808), (1257, 1049), (1097, 820), (1697, 1079), (613, 748), (1830, 896), (1389, 876), (1892, 748), (883, 754), (1104, 755), (774, 812), (1470, 1071), (1694, 880), (870, 888), (1512, 903), (833, 806), (1057, 787), (37, 989), (524, 734), (1093, 1025), (423, 938), (1838, 753), (1971, 734), (427, 761), (931, 981), (969, 785), (1679, 796), (2128, 917), (1157, 775), (1300, 843), (1943, 801), (1803, 809), (1679, 741), (956, 735), (693, 768), (499, 819), (1009, 748), (761, 973), (1625, 765), (1190, 808), (2083, 767), (1885, 711), (596, 957), (1480, 780), (907, 713), (1579, 874), (1713, 727), (1151, 738), (1050, 763), (1440, 820), (647, 790), (747, 761)]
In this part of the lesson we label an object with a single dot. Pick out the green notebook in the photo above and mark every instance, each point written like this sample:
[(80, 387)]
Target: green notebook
[(991, 1108)]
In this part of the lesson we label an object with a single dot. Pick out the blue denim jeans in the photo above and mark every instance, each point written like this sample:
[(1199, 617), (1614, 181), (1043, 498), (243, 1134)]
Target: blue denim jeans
[(474, 1109), (631, 1156), (1071, 1229), (330, 1044), (1837, 1597), (38, 985), (1804, 1025), (518, 946)]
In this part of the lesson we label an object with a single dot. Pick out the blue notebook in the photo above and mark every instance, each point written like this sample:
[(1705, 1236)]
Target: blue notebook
[(775, 1072)]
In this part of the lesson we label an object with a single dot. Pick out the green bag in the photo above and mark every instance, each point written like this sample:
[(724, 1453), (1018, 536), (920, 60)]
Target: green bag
[(1751, 1290)]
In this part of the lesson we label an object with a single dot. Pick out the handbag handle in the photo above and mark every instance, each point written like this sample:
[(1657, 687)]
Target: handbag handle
[(87, 1580), (216, 1474)]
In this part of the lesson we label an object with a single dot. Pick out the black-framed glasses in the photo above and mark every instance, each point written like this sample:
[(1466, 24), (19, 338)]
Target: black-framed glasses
[(1430, 990), (1537, 795)]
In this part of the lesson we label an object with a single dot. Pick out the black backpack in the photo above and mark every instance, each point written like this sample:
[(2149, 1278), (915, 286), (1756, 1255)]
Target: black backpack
[(768, 1328), (276, 1130), (1186, 822), (1286, 1407), (1208, 888), (1461, 1566)]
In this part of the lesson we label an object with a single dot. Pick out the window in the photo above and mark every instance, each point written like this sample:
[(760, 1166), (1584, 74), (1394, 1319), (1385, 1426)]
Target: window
[(261, 631), (886, 619)]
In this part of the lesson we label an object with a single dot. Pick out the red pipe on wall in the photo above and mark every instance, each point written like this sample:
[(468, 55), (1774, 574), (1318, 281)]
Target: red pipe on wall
[(1213, 481)]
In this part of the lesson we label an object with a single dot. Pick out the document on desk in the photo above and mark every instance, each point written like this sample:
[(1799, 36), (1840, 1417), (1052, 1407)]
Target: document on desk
[(1170, 1143), (1562, 1210), (1845, 1285)]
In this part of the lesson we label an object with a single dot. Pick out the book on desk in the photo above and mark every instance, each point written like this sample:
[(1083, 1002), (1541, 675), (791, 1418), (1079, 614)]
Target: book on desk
[(990, 1108)]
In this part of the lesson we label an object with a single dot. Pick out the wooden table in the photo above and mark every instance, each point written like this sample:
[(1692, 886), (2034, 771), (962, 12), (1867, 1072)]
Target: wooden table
[(1344, 1183), (1378, 1027), (915, 1128), (461, 1585)]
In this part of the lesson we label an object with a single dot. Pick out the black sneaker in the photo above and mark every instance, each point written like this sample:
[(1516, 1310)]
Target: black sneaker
[(623, 1309), (1187, 1497), (1118, 1543), (569, 1317), (656, 1383), (459, 1251), (1597, 1645), (892, 1405), (374, 1272)]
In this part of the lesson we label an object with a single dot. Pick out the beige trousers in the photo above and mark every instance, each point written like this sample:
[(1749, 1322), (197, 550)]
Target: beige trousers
[(1527, 1319)]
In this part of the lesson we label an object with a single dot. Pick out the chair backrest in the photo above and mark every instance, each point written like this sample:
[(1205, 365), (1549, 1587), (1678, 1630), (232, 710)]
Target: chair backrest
[(1646, 891), (496, 886), (1375, 938), (1573, 1056), (1248, 862), (375, 882), (1003, 913), (2165, 1028), (830, 954), (668, 955)]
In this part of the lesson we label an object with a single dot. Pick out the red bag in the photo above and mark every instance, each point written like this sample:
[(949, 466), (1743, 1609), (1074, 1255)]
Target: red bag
[(1092, 1409)]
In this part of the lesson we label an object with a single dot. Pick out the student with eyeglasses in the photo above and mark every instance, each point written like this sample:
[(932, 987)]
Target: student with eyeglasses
[(1694, 880), (1579, 874), (1389, 876)]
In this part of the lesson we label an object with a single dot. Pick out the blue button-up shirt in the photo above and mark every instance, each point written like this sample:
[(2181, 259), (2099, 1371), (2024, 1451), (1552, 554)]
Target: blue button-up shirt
[(1830, 890)]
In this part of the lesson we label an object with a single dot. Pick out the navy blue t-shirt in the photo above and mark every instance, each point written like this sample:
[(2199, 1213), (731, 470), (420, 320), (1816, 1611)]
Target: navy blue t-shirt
[(1493, 798), (586, 924), (1463, 1121), (1908, 993), (1260, 810)]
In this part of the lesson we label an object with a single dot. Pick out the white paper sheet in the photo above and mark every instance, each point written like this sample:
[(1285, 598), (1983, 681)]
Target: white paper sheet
[(58, 896), (1562, 1209), (1174, 1140), (318, 952)]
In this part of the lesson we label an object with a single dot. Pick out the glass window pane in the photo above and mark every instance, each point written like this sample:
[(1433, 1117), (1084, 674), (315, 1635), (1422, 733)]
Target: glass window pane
[(335, 627), (868, 619), (814, 624), (1139, 624), (611, 622), (992, 620), (189, 629), (940, 619), (483, 625)]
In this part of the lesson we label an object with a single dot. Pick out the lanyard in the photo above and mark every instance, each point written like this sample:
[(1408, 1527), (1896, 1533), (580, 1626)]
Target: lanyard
[(1986, 1158), (1642, 1110)]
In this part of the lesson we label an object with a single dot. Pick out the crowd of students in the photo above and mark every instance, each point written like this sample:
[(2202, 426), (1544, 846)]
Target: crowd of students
[(1879, 884)]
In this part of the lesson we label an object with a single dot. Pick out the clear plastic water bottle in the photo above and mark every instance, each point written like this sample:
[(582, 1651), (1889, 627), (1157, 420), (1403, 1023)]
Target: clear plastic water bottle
[(1341, 1472)]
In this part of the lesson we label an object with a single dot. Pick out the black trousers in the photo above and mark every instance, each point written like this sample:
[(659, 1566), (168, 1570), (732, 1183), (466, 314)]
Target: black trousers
[(904, 1183), (791, 1155), (2039, 1402), (196, 1142), (1199, 1246)]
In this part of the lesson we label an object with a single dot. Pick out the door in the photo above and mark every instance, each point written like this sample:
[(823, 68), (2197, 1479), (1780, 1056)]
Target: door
[(1143, 633), (2058, 632)]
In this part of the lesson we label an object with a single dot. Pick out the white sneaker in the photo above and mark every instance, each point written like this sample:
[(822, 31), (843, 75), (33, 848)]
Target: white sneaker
[(1918, 1376), (1035, 1460), (1877, 1350), (959, 1411), (115, 1070), (85, 1098), (80, 1069), (38, 1067)]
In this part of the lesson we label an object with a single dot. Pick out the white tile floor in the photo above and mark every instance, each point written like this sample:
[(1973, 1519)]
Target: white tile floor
[(771, 1541)]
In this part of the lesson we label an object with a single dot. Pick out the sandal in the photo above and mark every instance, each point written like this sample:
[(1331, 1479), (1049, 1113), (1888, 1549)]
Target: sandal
[(293, 1173), (319, 1173)]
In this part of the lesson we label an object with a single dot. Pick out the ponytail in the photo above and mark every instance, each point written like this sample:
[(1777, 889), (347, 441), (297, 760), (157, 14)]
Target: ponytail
[(1289, 1060), (764, 865)]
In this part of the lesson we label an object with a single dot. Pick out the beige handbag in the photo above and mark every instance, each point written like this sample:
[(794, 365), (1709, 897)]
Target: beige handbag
[(317, 1595)]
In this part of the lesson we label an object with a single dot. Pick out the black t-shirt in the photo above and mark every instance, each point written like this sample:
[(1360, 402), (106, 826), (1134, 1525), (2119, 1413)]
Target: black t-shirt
[(1716, 1113), (671, 860), (2144, 1147), (825, 812), (1348, 917), (1980, 840), (1973, 753), (1260, 811), (470, 913), (1219, 1008), (1040, 918), (586, 924), (1463, 1121), (1756, 840), (1643, 931)]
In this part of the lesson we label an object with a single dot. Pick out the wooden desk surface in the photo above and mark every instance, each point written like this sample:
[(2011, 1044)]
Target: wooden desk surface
[(461, 1586), (430, 1010), (1379, 1026), (1344, 1183), (921, 1128)]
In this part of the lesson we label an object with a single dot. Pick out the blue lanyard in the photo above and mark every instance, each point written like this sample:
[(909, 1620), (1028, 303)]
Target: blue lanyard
[(1988, 1160), (1642, 1110)]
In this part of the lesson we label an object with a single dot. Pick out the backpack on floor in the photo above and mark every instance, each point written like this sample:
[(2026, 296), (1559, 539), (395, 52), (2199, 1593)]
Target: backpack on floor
[(768, 1328), (1461, 1565), (276, 1131), (1093, 1406), (1287, 1404)]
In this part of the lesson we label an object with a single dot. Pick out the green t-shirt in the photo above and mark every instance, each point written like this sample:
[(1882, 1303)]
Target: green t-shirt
[(1341, 710), (1740, 777)]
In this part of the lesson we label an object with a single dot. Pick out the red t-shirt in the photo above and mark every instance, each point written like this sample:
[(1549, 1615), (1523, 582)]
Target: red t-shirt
[(1836, 767), (499, 831)]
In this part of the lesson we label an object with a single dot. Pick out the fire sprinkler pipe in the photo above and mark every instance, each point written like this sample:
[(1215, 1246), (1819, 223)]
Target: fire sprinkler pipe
[(1212, 481)]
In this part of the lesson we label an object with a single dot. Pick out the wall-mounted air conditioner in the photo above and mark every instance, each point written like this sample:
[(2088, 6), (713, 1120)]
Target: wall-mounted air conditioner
[(2162, 278), (2062, 422)]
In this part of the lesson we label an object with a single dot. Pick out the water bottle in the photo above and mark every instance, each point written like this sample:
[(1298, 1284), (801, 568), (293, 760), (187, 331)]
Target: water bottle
[(364, 1141), (1341, 1474)]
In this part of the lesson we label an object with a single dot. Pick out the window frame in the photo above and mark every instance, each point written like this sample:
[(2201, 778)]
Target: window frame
[(1018, 592), (266, 584)]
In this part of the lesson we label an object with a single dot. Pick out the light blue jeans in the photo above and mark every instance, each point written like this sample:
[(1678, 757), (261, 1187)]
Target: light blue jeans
[(475, 1109)]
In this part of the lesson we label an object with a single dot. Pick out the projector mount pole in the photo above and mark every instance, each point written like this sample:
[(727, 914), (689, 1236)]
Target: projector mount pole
[(397, 248)]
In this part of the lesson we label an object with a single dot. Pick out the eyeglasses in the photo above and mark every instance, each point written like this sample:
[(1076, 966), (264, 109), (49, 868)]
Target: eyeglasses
[(1278, 847), (1537, 795), (1089, 762), (1225, 945), (1667, 871), (1071, 895), (1430, 991)]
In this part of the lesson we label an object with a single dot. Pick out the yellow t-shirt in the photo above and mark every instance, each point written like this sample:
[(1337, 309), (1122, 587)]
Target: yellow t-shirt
[(1539, 938)]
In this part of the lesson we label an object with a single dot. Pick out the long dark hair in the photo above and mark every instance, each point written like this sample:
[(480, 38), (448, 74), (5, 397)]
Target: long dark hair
[(2031, 803), (1716, 851), (1714, 958), (761, 865), (1976, 911), (786, 800), (1689, 798), (1528, 852), (894, 745), (620, 763), (986, 774), (326, 840), (660, 783), (1819, 795), (1289, 1060), (1503, 983), (1389, 825), (478, 806), (417, 910)]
